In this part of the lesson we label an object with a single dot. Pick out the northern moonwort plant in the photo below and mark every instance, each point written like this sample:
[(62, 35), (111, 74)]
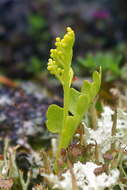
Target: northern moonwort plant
[(75, 102)]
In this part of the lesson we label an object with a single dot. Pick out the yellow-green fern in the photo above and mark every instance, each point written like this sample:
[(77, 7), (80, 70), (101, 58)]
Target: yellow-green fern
[(76, 102)]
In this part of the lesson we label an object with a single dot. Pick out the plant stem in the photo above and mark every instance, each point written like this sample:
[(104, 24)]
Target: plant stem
[(66, 89), (65, 114), (62, 135), (93, 116), (114, 128)]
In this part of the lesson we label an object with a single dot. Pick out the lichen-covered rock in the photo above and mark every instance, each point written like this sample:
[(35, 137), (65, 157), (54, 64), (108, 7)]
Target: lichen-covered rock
[(22, 114)]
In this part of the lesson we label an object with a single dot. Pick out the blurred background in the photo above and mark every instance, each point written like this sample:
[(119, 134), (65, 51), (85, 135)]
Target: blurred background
[(28, 29)]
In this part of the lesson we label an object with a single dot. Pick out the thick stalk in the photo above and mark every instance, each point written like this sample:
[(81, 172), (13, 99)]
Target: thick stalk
[(66, 89), (66, 108)]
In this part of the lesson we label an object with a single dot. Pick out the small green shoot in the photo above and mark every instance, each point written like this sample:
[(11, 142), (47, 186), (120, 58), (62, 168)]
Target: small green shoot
[(75, 102)]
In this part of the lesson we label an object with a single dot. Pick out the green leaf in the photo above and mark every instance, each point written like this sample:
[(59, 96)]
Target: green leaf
[(95, 84), (54, 118), (83, 104), (86, 86), (92, 88), (74, 95), (97, 79), (68, 132)]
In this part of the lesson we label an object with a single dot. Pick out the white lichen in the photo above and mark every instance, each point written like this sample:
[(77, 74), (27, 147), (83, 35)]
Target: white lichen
[(85, 178), (103, 134)]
